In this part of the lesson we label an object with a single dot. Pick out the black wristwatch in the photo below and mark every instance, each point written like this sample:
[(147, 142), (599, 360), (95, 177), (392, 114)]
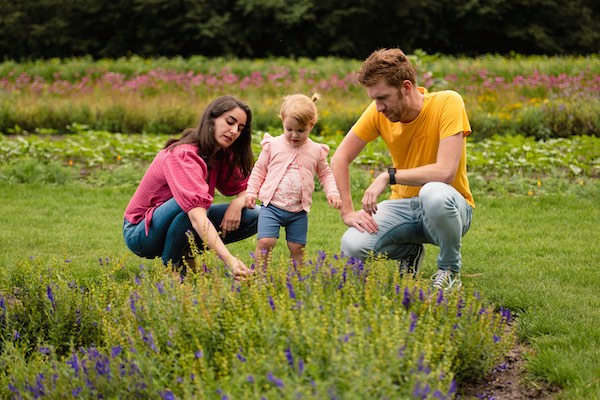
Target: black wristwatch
[(392, 172)]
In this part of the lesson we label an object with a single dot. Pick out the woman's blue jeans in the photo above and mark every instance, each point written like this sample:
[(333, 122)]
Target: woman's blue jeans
[(439, 215), (167, 234)]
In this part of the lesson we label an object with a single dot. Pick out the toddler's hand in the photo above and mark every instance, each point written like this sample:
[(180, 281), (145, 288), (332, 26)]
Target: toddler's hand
[(334, 201), (250, 201)]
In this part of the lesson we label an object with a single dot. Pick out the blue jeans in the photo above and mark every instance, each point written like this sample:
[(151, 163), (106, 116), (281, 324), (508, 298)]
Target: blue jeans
[(167, 235), (439, 215)]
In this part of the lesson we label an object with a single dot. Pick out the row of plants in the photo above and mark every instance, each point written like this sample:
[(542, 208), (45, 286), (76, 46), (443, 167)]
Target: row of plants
[(336, 328), (84, 150), (532, 96)]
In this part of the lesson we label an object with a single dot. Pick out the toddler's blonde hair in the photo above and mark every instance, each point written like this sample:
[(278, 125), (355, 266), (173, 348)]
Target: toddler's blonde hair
[(300, 107)]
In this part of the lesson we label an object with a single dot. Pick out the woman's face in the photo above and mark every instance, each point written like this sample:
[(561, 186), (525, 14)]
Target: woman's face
[(229, 126)]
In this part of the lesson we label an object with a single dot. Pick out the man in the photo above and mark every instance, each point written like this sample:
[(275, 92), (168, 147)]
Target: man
[(431, 201)]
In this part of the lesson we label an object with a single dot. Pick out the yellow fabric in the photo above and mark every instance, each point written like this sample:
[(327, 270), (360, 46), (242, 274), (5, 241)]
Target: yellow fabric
[(416, 143)]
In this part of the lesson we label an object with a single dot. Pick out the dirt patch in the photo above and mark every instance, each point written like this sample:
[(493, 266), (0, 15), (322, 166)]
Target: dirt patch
[(508, 381)]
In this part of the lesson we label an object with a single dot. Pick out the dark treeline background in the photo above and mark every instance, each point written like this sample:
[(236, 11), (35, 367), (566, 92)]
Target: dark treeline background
[(34, 29)]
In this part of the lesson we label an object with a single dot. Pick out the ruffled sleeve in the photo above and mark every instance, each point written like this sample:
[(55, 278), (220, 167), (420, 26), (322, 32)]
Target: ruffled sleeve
[(186, 174)]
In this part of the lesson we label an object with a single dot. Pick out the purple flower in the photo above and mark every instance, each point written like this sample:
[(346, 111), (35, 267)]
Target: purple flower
[(271, 303), (198, 354), (459, 307), (401, 351), (413, 322), (250, 379), (289, 357), (74, 363), (440, 297), (132, 302), (103, 365), (167, 395), (453, 388), (50, 296), (505, 314), (421, 393), (291, 289), (276, 381), (161, 287), (116, 350), (300, 366), (406, 299), (148, 338)]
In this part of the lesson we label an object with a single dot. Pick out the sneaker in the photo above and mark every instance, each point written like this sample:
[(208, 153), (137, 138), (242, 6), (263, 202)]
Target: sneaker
[(446, 280), (412, 264)]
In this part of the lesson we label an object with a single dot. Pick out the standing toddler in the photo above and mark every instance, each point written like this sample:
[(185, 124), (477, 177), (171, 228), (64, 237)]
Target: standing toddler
[(283, 179)]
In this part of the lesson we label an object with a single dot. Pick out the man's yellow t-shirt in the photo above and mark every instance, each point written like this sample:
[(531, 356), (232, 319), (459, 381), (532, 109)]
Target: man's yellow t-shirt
[(416, 143)]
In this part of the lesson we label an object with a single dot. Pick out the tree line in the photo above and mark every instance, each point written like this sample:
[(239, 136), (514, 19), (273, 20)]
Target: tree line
[(300, 28)]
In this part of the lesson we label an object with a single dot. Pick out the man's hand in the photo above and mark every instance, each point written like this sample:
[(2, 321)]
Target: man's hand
[(361, 221), (369, 200)]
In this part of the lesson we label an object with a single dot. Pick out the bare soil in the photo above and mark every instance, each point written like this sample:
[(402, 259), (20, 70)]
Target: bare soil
[(508, 381)]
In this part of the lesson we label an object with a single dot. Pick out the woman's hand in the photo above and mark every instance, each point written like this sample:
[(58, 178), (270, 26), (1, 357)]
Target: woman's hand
[(239, 269), (233, 216)]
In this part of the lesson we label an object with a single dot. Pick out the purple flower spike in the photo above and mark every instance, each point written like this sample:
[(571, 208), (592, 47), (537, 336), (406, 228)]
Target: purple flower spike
[(276, 381), (289, 357), (406, 299)]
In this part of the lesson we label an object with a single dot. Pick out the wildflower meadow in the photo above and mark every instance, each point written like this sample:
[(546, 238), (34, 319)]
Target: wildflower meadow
[(82, 317)]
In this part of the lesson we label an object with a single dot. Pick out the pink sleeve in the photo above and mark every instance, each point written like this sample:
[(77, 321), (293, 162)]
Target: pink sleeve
[(324, 173), (186, 174)]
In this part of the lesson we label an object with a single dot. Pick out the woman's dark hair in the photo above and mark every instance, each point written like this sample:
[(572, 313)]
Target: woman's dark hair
[(238, 154)]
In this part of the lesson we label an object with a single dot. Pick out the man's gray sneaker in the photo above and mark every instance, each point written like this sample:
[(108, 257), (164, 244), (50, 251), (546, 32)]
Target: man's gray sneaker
[(411, 265), (446, 280)]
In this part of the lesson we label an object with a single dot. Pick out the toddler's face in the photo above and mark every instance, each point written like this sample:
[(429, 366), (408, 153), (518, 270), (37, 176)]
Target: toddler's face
[(294, 132)]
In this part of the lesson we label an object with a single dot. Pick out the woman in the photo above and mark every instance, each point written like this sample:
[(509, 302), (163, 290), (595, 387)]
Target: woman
[(176, 193)]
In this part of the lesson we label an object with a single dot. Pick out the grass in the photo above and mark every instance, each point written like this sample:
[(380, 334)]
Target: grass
[(536, 255)]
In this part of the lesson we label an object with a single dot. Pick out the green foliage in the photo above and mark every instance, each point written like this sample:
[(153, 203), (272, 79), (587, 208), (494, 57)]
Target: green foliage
[(105, 158), (310, 331), (306, 28)]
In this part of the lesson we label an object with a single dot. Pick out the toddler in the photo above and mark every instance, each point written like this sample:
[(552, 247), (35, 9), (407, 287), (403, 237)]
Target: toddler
[(283, 179)]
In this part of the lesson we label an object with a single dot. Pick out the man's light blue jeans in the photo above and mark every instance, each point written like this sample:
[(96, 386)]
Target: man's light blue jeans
[(439, 215), (167, 236)]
